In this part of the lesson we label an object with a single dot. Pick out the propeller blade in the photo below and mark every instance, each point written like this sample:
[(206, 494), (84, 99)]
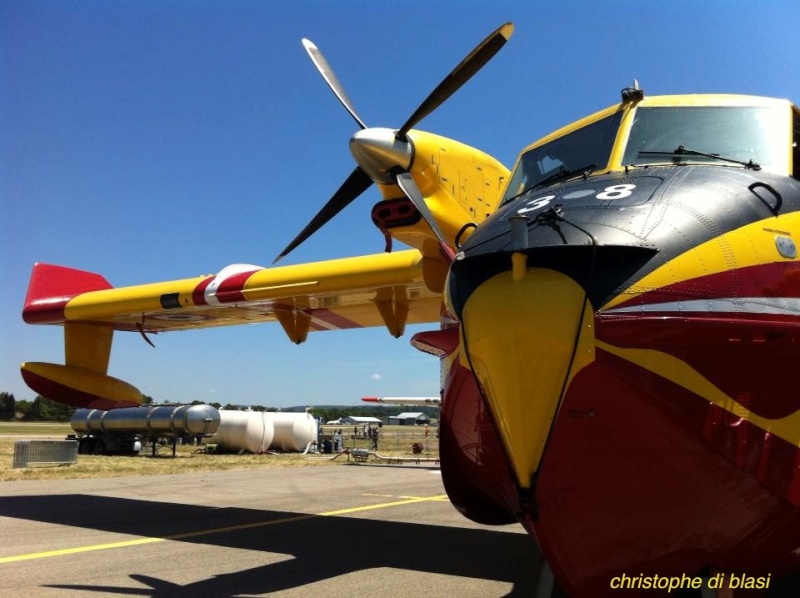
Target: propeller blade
[(412, 192), (355, 185), (330, 78), (459, 75)]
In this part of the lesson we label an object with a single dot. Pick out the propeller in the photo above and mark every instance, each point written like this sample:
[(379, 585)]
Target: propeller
[(355, 185), (407, 185), (474, 62), (330, 78), (383, 155)]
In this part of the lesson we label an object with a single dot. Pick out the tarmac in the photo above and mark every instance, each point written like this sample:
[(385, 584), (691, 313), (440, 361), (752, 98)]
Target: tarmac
[(354, 530)]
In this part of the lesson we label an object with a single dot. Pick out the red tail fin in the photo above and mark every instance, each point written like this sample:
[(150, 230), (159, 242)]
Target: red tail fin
[(50, 289)]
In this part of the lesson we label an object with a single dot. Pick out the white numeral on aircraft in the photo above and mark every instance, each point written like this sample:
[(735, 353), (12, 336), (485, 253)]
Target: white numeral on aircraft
[(535, 204), (612, 192), (616, 192)]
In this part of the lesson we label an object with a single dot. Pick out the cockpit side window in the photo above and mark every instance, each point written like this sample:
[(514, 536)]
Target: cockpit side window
[(586, 148)]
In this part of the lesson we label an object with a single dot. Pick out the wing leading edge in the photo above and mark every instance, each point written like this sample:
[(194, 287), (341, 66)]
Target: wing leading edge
[(390, 289)]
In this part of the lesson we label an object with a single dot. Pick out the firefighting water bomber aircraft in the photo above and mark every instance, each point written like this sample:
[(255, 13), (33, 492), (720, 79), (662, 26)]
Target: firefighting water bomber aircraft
[(619, 323)]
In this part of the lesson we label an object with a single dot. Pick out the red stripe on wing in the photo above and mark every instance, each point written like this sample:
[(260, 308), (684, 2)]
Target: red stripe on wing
[(230, 290), (333, 319), (199, 293)]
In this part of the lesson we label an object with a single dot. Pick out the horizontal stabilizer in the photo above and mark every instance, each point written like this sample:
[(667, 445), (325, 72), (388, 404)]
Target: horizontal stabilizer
[(51, 287)]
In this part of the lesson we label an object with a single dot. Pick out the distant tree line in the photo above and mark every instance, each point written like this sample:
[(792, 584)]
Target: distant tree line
[(42, 409)]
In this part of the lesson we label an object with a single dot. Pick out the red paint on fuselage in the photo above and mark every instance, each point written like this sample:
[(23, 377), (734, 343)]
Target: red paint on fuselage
[(475, 469), (745, 358), (632, 482), (771, 279), (641, 475)]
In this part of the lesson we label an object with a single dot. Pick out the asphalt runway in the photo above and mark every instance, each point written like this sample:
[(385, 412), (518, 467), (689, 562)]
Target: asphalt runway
[(355, 530)]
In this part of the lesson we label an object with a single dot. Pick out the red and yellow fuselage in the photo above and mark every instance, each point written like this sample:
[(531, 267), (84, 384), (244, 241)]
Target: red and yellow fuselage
[(621, 378)]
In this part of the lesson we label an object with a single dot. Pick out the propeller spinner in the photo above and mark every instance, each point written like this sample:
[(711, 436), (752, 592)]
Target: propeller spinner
[(385, 155)]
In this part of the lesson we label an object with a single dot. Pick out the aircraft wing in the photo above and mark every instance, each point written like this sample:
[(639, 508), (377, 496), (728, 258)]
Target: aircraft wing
[(343, 293), (389, 289)]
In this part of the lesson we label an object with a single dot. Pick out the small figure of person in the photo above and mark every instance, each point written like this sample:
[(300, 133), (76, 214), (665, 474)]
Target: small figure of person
[(338, 440), (375, 435)]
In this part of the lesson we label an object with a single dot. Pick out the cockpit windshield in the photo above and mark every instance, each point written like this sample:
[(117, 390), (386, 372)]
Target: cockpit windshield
[(752, 137), (585, 149), (707, 134)]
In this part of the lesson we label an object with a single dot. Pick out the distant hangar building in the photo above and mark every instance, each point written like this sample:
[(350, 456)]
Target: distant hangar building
[(408, 418)]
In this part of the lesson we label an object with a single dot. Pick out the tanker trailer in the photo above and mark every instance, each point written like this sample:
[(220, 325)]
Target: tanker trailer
[(118, 431)]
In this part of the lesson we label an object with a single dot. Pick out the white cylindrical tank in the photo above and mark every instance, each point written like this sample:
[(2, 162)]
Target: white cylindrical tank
[(259, 431), (245, 430), (293, 431)]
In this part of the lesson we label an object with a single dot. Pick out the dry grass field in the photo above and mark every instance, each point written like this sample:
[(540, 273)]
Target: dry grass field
[(396, 442), (31, 429)]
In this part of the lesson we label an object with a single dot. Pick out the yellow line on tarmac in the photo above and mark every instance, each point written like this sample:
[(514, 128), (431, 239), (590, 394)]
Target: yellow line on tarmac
[(383, 505), (207, 532), (49, 553)]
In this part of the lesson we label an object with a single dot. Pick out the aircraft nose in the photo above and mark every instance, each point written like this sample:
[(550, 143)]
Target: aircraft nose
[(525, 339), (377, 151)]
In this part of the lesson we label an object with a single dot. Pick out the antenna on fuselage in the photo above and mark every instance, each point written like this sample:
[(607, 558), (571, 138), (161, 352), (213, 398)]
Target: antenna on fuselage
[(633, 94)]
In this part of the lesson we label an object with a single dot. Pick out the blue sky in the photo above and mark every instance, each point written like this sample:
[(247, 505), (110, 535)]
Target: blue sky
[(157, 140)]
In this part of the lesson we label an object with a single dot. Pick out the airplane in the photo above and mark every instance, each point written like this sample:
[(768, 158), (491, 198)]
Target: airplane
[(423, 401), (619, 318)]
